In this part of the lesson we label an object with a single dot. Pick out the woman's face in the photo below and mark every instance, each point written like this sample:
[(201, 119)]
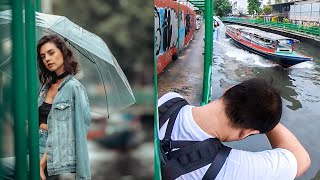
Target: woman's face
[(52, 58)]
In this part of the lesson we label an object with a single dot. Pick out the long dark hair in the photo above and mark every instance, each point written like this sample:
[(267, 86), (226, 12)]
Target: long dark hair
[(69, 61)]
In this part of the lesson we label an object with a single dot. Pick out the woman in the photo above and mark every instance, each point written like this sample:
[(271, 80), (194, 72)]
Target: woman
[(216, 30), (64, 113)]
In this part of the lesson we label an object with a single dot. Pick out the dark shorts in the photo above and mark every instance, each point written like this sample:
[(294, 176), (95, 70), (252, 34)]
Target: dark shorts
[(43, 136)]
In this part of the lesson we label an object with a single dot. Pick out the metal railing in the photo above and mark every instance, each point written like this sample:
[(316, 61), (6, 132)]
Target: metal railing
[(313, 30)]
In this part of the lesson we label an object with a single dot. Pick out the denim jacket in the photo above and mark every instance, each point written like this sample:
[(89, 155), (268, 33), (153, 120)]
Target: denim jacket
[(68, 124)]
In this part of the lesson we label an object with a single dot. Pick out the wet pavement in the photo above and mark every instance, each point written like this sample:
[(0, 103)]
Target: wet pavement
[(185, 75)]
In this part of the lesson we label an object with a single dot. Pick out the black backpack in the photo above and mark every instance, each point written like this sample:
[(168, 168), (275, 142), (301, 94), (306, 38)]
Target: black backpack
[(191, 155)]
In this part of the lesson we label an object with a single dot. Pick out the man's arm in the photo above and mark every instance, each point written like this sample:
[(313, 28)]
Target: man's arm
[(281, 137)]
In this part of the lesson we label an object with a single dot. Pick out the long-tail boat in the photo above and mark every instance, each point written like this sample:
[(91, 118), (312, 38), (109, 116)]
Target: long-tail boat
[(274, 47)]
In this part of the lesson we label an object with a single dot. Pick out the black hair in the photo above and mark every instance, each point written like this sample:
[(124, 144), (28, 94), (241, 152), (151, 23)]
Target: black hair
[(253, 104), (215, 23)]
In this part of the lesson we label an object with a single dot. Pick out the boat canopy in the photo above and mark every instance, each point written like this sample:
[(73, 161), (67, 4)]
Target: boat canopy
[(262, 34)]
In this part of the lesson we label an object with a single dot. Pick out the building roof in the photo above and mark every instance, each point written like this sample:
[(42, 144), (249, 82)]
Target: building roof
[(306, 1), (284, 3), (296, 2)]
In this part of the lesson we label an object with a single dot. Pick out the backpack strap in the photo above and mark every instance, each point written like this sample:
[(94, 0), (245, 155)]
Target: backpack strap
[(191, 157), (169, 110), (217, 163), (169, 107)]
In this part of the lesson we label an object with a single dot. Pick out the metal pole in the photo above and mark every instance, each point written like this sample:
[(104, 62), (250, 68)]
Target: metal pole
[(32, 90), (38, 6), (19, 90), (157, 165), (211, 54), (2, 111), (208, 51), (178, 28), (1, 121), (311, 13)]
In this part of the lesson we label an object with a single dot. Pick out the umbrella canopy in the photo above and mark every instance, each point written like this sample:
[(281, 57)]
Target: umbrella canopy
[(106, 85)]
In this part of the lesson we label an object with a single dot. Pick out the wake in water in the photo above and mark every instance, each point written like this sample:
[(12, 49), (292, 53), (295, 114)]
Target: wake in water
[(304, 65), (232, 52), (225, 49)]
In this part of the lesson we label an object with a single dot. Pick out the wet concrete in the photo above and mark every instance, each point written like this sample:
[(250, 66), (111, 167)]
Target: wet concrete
[(185, 75)]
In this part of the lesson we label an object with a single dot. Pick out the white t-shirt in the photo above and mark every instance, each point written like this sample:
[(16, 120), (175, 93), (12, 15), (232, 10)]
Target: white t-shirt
[(275, 164)]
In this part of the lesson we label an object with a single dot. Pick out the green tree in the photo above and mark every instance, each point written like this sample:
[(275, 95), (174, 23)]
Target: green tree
[(222, 7), (269, 2), (267, 9), (253, 6), (278, 1)]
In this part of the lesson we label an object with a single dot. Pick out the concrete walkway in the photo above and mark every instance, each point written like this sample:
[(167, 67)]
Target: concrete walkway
[(185, 75)]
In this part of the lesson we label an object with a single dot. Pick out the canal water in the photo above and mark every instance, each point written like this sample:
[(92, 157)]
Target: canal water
[(298, 85)]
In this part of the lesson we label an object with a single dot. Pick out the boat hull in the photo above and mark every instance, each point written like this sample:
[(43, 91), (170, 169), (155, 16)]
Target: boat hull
[(283, 60)]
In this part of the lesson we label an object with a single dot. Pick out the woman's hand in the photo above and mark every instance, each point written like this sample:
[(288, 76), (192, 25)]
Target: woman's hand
[(43, 165), (42, 175)]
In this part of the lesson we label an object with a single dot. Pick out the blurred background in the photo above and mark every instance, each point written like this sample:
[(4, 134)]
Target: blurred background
[(121, 145)]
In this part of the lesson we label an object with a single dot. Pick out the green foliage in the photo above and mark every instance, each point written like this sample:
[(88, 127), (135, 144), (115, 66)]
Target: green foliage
[(259, 11), (267, 9), (222, 7), (269, 2), (253, 6), (285, 20), (125, 25), (278, 1)]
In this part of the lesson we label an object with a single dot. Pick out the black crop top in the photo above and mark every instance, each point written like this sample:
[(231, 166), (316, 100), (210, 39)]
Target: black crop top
[(44, 110)]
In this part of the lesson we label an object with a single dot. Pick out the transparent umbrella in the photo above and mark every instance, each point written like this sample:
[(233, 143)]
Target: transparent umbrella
[(106, 85)]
